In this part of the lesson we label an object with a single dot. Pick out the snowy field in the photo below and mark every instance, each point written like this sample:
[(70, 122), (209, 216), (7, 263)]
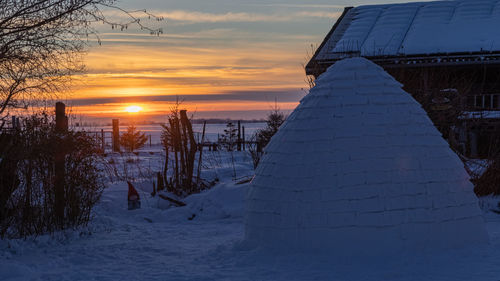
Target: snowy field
[(212, 131), (204, 240)]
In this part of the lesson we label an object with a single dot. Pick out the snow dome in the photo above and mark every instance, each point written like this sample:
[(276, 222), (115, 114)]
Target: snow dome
[(359, 165)]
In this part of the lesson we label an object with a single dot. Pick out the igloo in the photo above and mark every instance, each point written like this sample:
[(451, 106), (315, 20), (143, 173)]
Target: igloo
[(359, 165)]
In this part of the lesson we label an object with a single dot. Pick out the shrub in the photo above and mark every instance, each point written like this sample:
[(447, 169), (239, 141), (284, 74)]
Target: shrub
[(273, 122), (488, 183), (28, 179), (263, 136)]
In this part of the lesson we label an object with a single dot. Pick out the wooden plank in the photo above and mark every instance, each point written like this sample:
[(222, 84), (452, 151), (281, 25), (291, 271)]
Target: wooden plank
[(177, 202)]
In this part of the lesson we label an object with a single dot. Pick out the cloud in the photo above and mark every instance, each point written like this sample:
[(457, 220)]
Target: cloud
[(319, 14), (189, 16), (288, 95), (328, 6), (201, 17), (210, 36)]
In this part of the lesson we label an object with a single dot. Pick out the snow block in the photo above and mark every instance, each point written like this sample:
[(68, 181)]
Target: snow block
[(358, 165)]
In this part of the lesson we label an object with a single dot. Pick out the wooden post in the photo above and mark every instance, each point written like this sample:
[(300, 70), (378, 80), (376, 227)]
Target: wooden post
[(103, 141), (60, 163), (150, 144), (191, 152), (116, 135), (239, 136), (200, 158), (243, 137), (61, 118), (175, 150), (159, 179), (165, 167), (180, 149)]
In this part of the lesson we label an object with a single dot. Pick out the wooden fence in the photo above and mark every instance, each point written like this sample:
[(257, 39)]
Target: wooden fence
[(111, 139)]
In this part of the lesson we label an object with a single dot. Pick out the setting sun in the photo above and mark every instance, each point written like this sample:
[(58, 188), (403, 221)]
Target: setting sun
[(133, 108)]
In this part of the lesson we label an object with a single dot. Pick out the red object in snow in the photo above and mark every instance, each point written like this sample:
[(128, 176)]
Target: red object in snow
[(132, 193)]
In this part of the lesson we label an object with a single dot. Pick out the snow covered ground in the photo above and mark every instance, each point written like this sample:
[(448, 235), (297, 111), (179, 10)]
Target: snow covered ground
[(204, 241)]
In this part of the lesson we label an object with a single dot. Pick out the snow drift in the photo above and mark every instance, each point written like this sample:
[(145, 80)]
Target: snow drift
[(358, 166)]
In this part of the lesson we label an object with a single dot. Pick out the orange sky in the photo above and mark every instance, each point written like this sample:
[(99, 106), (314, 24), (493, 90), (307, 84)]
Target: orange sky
[(137, 71), (133, 71), (221, 64)]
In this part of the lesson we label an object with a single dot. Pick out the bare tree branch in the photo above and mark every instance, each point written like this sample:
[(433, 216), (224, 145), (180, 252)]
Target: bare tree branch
[(42, 43)]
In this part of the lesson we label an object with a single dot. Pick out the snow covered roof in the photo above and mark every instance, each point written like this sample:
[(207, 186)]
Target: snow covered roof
[(419, 28), (358, 164)]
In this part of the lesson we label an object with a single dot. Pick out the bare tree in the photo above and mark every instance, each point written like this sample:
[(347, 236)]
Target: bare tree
[(178, 139), (42, 43), (310, 79)]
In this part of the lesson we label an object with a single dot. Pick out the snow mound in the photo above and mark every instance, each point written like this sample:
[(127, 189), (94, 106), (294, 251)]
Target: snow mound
[(224, 201), (358, 166)]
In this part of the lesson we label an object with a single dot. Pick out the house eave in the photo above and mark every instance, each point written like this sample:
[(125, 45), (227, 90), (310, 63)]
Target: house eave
[(418, 60)]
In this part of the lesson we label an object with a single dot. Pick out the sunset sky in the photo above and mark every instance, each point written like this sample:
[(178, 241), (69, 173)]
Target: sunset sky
[(222, 58)]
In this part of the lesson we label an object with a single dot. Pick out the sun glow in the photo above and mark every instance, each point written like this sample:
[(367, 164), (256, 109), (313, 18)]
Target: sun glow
[(133, 109)]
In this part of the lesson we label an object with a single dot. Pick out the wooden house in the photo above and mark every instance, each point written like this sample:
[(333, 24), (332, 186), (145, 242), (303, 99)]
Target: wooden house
[(446, 53)]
